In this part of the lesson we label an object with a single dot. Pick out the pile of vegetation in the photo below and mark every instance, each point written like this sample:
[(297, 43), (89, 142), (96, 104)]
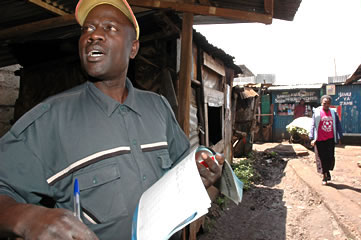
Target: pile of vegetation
[(294, 130), (245, 170)]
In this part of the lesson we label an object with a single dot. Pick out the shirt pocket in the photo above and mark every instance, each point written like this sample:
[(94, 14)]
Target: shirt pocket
[(101, 197), (163, 159), (157, 156)]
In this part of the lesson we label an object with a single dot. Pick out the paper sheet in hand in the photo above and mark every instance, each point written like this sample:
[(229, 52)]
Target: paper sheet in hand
[(230, 185), (175, 200)]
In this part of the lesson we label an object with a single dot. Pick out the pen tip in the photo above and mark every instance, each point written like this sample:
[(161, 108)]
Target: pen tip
[(76, 186)]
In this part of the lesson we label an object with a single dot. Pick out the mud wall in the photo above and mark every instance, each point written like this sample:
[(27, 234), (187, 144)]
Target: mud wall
[(9, 90)]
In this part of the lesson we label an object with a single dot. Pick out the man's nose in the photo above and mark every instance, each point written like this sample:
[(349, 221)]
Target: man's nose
[(97, 35)]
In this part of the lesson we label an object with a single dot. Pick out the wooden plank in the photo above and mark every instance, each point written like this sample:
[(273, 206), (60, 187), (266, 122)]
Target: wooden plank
[(254, 119), (204, 2), (269, 6), (34, 27), (185, 72), (205, 10), (228, 127), (200, 96), (49, 7), (206, 127), (211, 63)]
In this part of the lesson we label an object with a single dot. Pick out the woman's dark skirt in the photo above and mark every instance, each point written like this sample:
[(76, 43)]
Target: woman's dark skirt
[(325, 155)]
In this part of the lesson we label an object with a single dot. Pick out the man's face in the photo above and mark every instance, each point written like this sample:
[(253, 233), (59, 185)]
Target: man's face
[(326, 103), (107, 43)]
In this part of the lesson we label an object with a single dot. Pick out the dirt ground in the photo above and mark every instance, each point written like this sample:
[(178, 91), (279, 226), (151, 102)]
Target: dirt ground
[(289, 201)]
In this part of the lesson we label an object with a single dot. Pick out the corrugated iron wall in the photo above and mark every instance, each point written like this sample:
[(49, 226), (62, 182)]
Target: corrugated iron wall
[(280, 122), (348, 97)]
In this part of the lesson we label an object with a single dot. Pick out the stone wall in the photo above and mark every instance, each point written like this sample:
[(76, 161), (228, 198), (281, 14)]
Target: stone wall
[(9, 91)]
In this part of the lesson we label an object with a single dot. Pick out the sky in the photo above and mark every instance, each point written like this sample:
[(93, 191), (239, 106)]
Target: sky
[(323, 40)]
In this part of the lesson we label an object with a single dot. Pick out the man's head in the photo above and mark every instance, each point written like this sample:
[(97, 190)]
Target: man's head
[(85, 6), (302, 102), (326, 102), (108, 40)]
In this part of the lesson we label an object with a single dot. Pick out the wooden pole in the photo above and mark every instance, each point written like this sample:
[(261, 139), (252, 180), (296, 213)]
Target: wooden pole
[(228, 128), (185, 72)]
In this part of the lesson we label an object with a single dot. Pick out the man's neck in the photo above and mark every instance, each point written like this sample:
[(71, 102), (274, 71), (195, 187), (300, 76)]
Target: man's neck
[(114, 89)]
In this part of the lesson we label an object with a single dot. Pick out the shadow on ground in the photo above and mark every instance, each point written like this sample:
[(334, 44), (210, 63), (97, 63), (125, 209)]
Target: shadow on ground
[(262, 212), (343, 187)]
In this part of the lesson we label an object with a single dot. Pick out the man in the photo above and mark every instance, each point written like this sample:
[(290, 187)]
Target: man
[(300, 109), (115, 139), (325, 132)]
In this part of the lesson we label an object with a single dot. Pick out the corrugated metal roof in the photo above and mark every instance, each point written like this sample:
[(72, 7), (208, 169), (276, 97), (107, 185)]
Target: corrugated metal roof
[(266, 78), (215, 52), (338, 79), (28, 13), (301, 86), (355, 76), (245, 92)]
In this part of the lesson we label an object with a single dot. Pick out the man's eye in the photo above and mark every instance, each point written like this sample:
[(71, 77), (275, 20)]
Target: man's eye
[(110, 28), (86, 29)]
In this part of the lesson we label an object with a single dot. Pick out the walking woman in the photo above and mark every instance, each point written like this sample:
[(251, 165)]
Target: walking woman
[(325, 132)]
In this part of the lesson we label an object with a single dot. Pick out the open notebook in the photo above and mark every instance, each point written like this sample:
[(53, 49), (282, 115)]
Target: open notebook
[(177, 199)]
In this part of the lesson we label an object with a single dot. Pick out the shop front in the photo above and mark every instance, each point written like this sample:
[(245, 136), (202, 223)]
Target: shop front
[(286, 99)]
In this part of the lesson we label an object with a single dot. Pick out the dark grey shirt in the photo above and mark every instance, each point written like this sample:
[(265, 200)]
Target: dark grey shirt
[(116, 151)]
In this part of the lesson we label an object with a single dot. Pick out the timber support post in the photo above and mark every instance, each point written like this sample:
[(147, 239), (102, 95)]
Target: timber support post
[(184, 89)]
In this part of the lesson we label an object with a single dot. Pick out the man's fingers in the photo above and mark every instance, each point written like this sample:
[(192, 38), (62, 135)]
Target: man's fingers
[(220, 158)]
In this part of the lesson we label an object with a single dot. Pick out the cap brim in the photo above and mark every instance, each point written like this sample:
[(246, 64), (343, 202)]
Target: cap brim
[(85, 6)]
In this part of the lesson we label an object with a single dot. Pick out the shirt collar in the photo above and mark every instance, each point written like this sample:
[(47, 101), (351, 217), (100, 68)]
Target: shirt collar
[(108, 104)]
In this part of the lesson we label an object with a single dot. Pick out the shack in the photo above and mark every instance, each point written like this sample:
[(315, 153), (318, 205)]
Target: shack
[(42, 36), (346, 100), (245, 100), (173, 60), (285, 98)]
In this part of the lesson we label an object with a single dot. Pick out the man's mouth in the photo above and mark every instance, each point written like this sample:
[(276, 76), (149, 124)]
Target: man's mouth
[(95, 53)]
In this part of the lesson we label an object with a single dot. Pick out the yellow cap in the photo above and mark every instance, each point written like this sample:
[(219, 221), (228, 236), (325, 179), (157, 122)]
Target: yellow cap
[(85, 6)]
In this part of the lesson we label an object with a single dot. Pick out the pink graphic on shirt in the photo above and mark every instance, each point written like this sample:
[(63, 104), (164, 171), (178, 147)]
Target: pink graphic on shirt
[(325, 129)]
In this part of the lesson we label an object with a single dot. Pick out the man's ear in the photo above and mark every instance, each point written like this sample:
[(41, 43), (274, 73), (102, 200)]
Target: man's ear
[(135, 48)]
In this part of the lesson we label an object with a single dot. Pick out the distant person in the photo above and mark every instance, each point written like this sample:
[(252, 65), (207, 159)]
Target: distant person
[(300, 109), (325, 132)]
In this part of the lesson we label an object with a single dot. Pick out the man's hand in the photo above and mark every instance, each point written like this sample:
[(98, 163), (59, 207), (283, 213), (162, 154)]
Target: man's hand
[(214, 171), (313, 142), (35, 222)]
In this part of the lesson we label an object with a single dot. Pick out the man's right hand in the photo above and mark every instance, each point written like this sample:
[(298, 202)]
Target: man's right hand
[(35, 222)]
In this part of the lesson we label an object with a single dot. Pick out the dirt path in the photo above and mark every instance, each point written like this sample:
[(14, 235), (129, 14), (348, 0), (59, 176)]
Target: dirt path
[(290, 203)]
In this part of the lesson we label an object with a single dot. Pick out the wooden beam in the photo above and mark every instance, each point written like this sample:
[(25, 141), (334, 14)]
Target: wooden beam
[(49, 7), (205, 10), (170, 26), (204, 2), (185, 72), (213, 64), (34, 27), (268, 7)]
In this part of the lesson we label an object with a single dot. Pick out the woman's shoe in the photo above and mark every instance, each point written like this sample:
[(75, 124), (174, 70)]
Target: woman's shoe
[(328, 176), (324, 179)]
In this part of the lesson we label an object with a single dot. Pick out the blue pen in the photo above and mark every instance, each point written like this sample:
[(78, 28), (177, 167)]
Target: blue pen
[(76, 199)]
